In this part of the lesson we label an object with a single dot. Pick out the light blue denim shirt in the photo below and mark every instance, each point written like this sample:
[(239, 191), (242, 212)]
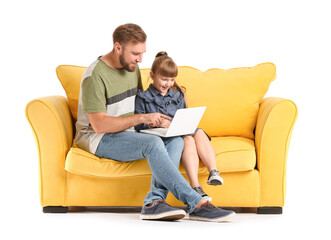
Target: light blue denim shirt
[(151, 101)]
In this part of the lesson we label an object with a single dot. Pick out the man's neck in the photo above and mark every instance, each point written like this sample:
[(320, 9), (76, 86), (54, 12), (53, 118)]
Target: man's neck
[(112, 60)]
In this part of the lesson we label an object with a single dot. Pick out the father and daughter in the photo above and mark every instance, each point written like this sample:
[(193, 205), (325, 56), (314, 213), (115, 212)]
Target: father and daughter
[(165, 96), (108, 97)]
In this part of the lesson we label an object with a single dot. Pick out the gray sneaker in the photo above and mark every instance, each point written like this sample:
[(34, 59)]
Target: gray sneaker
[(160, 210), (210, 213), (202, 193), (214, 178)]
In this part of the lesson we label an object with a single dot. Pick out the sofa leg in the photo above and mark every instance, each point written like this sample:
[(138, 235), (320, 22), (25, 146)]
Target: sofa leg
[(269, 210), (55, 209)]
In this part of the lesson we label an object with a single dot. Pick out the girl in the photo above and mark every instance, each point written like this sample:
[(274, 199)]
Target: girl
[(166, 97)]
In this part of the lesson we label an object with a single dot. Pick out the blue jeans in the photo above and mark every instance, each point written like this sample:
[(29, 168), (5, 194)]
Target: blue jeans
[(163, 156)]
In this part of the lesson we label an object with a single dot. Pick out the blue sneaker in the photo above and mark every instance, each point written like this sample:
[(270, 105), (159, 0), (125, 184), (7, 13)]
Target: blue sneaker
[(160, 210), (208, 212)]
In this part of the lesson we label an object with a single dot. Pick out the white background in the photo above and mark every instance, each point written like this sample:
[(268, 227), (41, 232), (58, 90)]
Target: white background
[(37, 36)]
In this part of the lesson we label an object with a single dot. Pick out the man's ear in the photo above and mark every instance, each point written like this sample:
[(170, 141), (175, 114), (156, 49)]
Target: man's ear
[(151, 75), (118, 48)]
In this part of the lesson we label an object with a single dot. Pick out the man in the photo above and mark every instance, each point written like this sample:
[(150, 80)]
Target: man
[(105, 124)]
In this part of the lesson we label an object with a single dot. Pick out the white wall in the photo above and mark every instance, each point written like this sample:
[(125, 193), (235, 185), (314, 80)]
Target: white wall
[(37, 36)]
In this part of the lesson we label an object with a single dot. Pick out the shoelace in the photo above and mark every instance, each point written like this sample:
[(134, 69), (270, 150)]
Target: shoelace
[(158, 201), (214, 172), (200, 191), (208, 204)]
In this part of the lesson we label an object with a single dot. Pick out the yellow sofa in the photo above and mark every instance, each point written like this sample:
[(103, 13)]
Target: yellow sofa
[(250, 135)]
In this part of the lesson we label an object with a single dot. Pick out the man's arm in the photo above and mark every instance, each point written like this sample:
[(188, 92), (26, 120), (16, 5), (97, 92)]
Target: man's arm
[(107, 124)]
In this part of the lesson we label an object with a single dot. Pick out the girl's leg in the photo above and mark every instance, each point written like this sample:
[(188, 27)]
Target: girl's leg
[(190, 160), (205, 150)]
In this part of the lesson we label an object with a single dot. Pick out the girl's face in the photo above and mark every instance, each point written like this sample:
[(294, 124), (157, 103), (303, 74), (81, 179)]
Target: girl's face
[(161, 83)]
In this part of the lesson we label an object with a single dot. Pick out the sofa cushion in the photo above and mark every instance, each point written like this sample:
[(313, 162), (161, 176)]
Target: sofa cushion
[(233, 154), (70, 78)]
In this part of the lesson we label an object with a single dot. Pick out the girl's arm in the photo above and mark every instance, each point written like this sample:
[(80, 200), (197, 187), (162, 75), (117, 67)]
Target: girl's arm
[(140, 108)]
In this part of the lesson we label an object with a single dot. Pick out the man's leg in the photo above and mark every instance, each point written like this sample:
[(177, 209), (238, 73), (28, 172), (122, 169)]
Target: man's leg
[(130, 146), (174, 146)]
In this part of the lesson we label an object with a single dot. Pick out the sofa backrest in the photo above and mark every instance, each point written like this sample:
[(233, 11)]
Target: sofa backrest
[(232, 96)]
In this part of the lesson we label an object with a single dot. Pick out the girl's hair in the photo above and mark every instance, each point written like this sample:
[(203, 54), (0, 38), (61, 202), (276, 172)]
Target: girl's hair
[(165, 66)]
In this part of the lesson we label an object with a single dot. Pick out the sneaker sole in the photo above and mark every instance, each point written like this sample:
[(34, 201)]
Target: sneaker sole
[(168, 216), (214, 182), (220, 219)]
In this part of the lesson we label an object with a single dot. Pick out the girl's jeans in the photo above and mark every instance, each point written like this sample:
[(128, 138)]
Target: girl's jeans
[(163, 156)]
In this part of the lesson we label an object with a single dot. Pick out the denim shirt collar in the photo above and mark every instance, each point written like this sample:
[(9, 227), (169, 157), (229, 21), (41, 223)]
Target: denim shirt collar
[(152, 95), (156, 93)]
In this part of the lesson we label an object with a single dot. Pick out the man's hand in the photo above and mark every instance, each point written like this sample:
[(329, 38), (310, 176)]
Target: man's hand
[(155, 119)]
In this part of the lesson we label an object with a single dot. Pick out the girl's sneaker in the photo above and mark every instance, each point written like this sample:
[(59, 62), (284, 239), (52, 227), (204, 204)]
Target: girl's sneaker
[(202, 193), (214, 178)]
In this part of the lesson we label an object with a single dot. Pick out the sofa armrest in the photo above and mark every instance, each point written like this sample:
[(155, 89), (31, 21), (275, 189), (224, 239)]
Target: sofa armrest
[(51, 122), (273, 131)]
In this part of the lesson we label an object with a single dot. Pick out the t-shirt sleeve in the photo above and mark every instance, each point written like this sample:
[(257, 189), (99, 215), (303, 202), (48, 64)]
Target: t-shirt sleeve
[(93, 95)]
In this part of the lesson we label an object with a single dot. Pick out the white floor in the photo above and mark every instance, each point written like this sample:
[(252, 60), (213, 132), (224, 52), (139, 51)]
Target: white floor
[(294, 222)]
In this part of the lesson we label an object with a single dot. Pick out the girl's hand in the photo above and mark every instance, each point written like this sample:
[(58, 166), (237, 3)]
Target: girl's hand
[(165, 123)]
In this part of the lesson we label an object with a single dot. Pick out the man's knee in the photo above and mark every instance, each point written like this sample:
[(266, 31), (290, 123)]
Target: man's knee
[(153, 144)]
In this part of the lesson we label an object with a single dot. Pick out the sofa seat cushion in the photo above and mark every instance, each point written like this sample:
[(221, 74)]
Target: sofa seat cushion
[(233, 154)]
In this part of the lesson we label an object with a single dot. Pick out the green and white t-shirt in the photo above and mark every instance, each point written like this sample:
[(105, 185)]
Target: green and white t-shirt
[(104, 89)]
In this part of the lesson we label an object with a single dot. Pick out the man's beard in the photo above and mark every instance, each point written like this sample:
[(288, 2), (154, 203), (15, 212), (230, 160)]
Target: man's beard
[(125, 64)]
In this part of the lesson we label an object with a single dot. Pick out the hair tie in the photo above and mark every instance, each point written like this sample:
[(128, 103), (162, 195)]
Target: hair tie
[(160, 54)]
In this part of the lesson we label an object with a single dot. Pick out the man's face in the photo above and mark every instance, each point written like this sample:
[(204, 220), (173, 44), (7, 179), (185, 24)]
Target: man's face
[(132, 53)]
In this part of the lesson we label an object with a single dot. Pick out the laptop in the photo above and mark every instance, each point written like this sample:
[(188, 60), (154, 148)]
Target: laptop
[(185, 121)]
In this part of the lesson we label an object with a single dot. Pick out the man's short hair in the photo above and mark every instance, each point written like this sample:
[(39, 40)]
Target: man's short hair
[(129, 33)]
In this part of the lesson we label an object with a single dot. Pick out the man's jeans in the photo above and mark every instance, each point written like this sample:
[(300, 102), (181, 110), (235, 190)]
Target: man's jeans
[(163, 156)]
